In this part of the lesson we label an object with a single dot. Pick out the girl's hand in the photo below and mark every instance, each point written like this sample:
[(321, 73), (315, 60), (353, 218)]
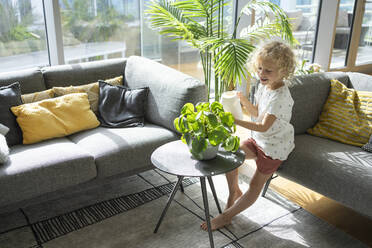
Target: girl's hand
[(242, 98)]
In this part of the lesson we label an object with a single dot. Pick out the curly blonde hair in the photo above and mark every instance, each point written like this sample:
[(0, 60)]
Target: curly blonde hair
[(280, 53)]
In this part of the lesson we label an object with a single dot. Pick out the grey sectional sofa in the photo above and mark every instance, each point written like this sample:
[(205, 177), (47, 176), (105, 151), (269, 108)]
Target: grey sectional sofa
[(89, 157), (336, 170)]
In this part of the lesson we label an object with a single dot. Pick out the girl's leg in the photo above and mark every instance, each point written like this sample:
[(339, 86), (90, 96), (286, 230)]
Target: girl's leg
[(258, 181), (232, 179)]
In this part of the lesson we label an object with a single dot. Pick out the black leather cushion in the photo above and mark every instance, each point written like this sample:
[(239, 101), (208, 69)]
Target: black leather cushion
[(10, 96), (119, 106)]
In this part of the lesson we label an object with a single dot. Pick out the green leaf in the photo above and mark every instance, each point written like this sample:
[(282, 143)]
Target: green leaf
[(212, 119), (227, 118), (216, 107), (198, 145), (216, 137), (188, 109)]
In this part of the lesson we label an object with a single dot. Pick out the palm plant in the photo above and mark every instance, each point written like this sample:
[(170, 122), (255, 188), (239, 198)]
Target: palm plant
[(201, 24)]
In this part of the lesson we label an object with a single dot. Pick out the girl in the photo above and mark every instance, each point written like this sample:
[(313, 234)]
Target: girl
[(272, 134)]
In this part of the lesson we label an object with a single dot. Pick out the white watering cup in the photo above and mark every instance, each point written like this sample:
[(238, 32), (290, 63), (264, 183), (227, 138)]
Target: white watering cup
[(231, 103)]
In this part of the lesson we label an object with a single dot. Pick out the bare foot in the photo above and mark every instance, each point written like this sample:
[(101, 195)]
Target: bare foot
[(216, 223), (233, 198)]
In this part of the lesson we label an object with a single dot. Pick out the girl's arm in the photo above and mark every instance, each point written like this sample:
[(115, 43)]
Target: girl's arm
[(262, 126), (252, 109)]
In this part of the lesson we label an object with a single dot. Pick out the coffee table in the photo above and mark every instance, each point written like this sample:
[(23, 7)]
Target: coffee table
[(174, 158)]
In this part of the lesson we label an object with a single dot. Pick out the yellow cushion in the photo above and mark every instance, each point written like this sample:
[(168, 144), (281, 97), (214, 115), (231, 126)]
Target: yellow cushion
[(91, 89), (56, 117), (37, 96), (346, 116)]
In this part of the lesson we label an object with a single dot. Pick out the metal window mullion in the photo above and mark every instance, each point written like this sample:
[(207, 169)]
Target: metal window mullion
[(54, 32), (326, 29), (354, 36)]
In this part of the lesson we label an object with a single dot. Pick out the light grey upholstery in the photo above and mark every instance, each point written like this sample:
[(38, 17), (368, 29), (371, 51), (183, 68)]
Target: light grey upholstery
[(339, 171), (44, 167), (31, 80), (166, 97), (309, 93), (59, 164), (336, 170), (360, 81), (119, 150), (83, 73)]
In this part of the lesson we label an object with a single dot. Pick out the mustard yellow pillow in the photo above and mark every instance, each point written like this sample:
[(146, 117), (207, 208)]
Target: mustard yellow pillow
[(91, 89), (56, 117), (37, 96), (346, 116)]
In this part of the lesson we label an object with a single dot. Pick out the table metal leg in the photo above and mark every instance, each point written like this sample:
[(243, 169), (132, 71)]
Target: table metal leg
[(182, 189), (180, 178), (214, 193), (206, 210)]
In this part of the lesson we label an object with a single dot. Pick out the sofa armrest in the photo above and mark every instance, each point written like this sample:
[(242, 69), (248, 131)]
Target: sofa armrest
[(169, 89)]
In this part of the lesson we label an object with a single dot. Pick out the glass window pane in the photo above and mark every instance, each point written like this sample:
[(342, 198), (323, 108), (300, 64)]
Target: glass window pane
[(176, 54), (22, 35), (303, 17), (365, 43), (100, 29), (342, 35)]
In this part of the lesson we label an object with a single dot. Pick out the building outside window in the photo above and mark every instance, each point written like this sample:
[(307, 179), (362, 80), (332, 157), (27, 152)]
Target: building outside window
[(303, 17), (365, 41), (342, 33)]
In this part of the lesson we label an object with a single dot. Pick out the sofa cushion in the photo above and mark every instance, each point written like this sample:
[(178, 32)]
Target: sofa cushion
[(55, 117), (37, 96), (91, 89), (346, 116), (120, 106), (360, 81), (10, 96), (307, 107), (122, 150), (31, 80), (334, 169), (83, 73), (44, 167), (166, 98)]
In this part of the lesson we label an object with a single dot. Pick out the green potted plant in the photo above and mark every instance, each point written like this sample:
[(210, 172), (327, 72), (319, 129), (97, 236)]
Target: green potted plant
[(205, 127), (202, 25)]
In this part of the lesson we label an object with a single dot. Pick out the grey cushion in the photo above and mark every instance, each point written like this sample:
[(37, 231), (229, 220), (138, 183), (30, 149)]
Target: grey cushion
[(31, 80), (120, 106), (368, 147), (83, 73), (339, 171), (44, 167), (10, 96), (4, 149), (360, 81), (169, 89), (307, 107), (122, 150)]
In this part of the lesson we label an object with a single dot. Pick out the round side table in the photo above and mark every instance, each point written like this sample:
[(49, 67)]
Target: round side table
[(174, 158)]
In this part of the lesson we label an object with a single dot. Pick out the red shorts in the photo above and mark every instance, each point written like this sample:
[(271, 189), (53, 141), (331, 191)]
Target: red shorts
[(265, 164)]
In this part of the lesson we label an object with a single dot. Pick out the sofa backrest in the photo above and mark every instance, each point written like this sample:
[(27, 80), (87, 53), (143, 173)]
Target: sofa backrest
[(360, 81), (309, 93), (82, 73), (31, 80), (166, 97)]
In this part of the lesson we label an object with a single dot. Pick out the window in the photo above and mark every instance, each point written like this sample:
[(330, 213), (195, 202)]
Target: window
[(303, 17), (342, 33), (365, 41), (22, 35), (100, 29)]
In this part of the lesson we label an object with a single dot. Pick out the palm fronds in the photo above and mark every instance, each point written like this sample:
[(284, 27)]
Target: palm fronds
[(201, 24)]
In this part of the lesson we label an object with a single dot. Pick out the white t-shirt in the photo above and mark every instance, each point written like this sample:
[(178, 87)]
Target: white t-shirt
[(278, 141)]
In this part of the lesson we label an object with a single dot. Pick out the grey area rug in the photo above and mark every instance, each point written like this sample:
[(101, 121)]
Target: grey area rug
[(124, 213)]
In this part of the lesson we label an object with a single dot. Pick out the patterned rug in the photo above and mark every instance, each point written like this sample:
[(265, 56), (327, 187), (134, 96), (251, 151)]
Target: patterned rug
[(124, 213)]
